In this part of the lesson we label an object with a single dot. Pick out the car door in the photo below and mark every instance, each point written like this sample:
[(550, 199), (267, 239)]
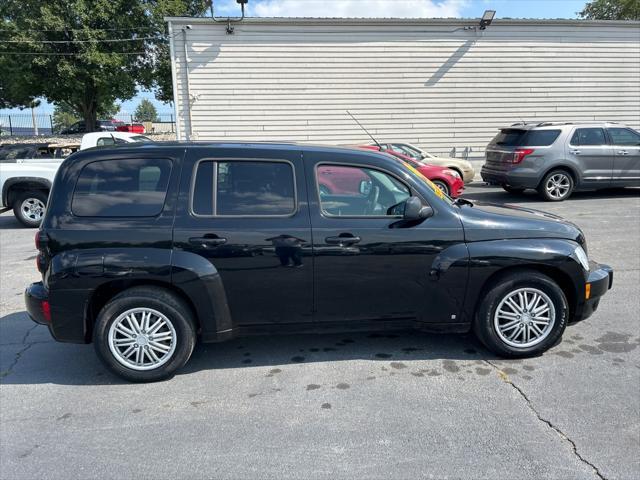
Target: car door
[(246, 213), (589, 149), (626, 156), (367, 264)]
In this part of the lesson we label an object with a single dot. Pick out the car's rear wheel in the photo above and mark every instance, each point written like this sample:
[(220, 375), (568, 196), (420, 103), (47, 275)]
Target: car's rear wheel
[(144, 334), (510, 189), (29, 207), (442, 186), (523, 314), (556, 186)]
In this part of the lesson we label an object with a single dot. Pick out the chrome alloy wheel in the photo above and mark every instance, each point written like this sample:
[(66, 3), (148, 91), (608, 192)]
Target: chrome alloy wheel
[(524, 317), (558, 185), (33, 209), (142, 339)]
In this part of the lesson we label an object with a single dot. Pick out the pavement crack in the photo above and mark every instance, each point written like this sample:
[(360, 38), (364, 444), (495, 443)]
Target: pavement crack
[(553, 427), (19, 354)]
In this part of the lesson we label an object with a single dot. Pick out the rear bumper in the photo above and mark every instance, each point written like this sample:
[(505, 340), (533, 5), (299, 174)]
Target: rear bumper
[(36, 299), (599, 282), (512, 177)]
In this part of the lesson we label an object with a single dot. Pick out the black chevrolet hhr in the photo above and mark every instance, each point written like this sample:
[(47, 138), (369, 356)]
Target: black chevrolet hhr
[(146, 248)]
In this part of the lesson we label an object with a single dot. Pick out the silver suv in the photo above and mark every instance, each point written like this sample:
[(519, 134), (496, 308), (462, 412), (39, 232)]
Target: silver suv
[(558, 158)]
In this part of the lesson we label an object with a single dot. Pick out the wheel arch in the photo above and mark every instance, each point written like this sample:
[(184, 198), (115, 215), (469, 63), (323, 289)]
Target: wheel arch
[(106, 291), (555, 273), (571, 170), (20, 184)]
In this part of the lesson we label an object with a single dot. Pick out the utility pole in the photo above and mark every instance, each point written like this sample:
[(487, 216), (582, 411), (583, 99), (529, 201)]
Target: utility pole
[(33, 119)]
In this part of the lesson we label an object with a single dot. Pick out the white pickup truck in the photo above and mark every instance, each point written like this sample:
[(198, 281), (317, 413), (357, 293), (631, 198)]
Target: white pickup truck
[(25, 182)]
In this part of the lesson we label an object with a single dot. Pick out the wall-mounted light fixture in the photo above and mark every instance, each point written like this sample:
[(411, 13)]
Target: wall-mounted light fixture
[(487, 18), (229, 20)]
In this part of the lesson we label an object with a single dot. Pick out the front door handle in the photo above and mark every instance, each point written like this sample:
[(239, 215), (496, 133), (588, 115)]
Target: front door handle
[(622, 152), (342, 240), (207, 241), (575, 152)]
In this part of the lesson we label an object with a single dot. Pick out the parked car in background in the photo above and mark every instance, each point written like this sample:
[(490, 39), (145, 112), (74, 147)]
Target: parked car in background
[(558, 158), (101, 125), (463, 167), (100, 139), (131, 128), (145, 250), (447, 180)]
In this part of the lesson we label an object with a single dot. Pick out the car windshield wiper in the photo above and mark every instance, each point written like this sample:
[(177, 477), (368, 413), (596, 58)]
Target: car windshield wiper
[(462, 201)]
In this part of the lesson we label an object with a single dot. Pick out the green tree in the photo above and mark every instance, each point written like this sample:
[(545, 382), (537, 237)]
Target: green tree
[(63, 116), (85, 53), (611, 10), (146, 112)]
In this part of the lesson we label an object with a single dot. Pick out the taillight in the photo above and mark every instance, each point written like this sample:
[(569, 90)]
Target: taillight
[(37, 240), (41, 240), (520, 153), (46, 310)]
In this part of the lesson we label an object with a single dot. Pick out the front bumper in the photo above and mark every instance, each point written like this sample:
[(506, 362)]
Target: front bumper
[(599, 282), (36, 299), (468, 175)]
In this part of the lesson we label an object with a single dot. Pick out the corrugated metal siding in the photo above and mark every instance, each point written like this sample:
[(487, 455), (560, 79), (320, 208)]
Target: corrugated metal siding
[(422, 83)]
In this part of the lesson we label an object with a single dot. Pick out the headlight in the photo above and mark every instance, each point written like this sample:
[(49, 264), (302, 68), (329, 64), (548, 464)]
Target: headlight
[(582, 258), (452, 173)]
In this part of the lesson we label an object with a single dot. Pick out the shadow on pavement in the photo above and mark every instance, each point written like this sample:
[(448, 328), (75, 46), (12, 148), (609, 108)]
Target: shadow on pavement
[(42, 360), (491, 193)]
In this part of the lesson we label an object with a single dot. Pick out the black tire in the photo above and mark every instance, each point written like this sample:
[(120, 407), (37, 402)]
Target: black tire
[(160, 300), (562, 177), (442, 186), (510, 189), (484, 325), (37, 198)]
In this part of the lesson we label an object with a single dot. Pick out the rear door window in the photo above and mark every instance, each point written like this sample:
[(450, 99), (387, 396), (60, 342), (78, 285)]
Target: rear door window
[(588, 136), (624, 136), (122, 188), (244, 188)]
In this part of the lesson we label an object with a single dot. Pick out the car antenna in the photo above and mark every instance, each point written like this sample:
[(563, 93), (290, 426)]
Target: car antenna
[(365, 130)]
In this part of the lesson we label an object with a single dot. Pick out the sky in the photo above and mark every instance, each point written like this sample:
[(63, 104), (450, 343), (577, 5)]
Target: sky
[(368, 8)]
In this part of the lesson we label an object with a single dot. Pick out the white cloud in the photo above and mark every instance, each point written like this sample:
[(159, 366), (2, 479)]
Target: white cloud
[(359, 8)]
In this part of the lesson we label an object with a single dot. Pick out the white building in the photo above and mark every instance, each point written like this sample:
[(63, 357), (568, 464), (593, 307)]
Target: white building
[(443, 84)]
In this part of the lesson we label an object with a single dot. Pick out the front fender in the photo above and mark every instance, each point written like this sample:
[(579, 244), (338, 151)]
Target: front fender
[(554, 257), (201, 282)]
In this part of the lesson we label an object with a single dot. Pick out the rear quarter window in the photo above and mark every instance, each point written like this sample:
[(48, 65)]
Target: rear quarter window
[(122, 188)]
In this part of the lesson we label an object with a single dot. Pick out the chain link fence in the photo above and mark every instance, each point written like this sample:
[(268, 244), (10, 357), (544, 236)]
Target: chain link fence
[(43, 124)]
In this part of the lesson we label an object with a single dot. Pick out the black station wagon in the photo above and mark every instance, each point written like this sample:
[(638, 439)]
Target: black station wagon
[(146, 248)]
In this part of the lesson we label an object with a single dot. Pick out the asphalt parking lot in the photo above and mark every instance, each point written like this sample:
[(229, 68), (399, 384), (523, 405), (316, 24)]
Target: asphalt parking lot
[(401, 405)]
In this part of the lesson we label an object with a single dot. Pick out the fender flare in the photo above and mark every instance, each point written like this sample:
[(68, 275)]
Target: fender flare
[(552, 256), (10, 182), (200, 281)]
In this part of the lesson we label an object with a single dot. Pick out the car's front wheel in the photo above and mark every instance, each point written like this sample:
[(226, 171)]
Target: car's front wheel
[(442, 186), (29, 207), (144, 334), (523, 314)]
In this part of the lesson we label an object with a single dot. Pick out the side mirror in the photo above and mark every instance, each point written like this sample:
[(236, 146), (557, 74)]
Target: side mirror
[(365, 187), (415, 210)]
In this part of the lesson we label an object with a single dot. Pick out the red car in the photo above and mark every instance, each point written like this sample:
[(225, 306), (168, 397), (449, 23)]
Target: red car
[(131, 128), (445, 179)]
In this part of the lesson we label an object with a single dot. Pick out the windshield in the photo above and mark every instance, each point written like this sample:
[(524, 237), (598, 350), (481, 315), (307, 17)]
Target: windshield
[(141, 138), (439, 193)]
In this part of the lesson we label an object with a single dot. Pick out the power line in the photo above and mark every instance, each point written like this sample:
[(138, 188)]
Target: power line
[(71, 54), (82, 30), (85, 41)]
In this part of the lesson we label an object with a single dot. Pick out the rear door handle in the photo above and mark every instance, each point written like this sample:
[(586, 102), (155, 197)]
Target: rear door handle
[(207, 241), (623, 152), (342, 240), (575, 152)]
